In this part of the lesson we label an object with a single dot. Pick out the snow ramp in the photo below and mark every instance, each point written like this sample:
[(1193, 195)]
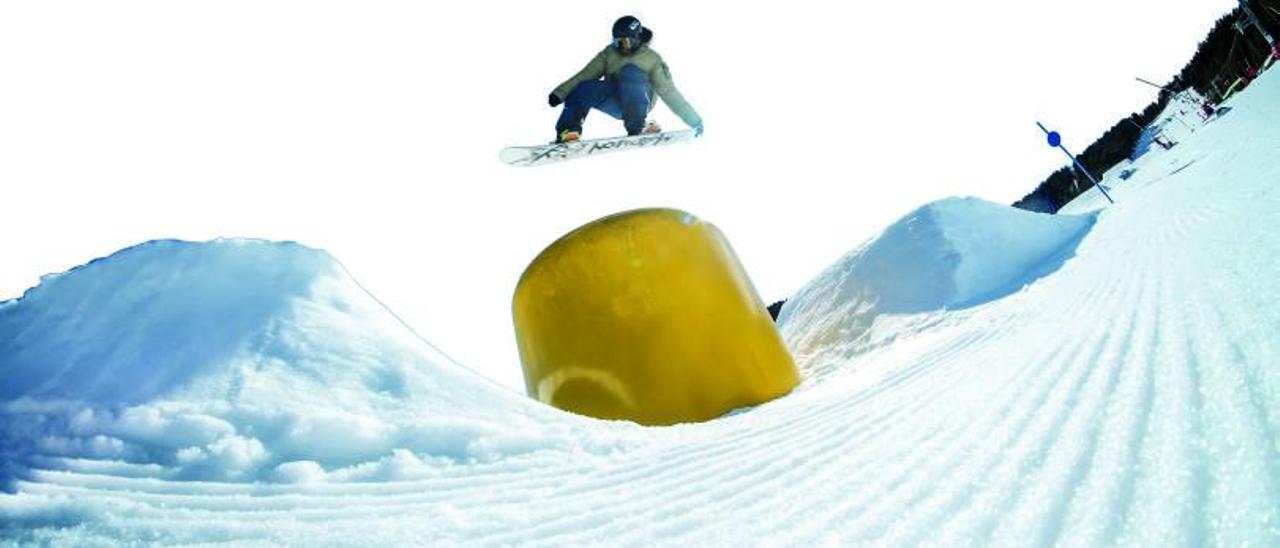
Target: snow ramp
[(951, 254), (233, 360)]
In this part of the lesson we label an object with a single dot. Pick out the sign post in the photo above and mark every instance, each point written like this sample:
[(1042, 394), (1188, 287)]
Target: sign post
[(1055, 140)]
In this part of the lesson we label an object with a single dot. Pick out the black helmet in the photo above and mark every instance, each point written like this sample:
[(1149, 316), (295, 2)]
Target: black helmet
[(629, 34)]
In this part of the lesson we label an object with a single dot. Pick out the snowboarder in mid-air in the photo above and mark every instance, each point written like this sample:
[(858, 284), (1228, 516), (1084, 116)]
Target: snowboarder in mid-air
[(621, 81)]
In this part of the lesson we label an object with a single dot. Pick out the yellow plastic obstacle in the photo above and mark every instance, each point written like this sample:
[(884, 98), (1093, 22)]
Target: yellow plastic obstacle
[(647, 315)]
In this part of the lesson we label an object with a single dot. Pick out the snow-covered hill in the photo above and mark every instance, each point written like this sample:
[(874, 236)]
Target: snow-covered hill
[(947, 255), (237, 360), (973, 375)]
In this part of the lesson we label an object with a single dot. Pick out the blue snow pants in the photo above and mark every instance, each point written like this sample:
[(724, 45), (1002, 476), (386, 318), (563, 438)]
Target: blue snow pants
[(624, 96)]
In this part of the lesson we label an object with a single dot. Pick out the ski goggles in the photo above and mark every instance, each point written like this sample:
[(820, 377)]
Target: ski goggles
[(626, 43)]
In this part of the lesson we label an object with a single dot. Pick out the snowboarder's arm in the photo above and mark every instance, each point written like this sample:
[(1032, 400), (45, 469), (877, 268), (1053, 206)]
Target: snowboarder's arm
[(666, 89), (592, 71)]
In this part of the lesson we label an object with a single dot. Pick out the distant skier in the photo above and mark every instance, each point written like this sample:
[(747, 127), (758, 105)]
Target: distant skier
[(621, 81), (1206, 110), (1250, 74)]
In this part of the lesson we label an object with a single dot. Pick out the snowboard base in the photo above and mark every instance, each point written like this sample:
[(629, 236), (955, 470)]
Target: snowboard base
[(537, 155)]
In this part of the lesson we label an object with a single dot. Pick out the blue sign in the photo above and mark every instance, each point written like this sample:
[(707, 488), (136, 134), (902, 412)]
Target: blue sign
[(1055, 140)]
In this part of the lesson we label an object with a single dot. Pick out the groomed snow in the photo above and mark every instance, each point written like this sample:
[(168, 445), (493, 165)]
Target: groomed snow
[(973, 375)]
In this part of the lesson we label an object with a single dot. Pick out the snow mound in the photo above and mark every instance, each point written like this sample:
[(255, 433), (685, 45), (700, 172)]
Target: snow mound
[(235, 359), (185, 310), (954, 253)]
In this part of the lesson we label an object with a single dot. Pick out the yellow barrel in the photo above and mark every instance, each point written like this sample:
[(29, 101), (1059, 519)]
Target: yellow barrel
[(648, 316)]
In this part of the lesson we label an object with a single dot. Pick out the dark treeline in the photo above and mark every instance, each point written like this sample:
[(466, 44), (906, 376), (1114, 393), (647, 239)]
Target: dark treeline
[(1226, 54), (1223, 56)]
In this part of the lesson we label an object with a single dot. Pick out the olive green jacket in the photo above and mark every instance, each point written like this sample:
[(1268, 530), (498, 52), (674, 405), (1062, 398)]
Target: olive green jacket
[(609, 61)]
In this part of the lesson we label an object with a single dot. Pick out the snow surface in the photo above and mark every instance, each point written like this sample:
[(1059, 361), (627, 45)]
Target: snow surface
[(950, 254), (238, 360), (974, 374)]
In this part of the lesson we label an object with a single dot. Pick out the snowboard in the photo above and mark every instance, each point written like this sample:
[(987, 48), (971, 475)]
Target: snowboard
[(537, 155)]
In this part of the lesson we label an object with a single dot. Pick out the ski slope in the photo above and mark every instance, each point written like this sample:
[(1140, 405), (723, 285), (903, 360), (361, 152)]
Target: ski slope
[(974, 374)]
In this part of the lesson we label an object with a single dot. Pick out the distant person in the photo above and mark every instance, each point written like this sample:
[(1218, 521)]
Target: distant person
[(1250, 73), (1206, 108), (621, 81)]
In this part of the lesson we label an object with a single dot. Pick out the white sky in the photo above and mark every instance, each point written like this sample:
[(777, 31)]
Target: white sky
[(371, 129)]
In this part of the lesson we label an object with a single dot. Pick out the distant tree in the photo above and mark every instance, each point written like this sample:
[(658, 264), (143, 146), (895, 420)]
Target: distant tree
[(1268, 12), (1038, 202), (775, 309)]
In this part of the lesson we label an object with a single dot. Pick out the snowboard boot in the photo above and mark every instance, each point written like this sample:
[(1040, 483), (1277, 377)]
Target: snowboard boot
[(651, 127), (568, 136)]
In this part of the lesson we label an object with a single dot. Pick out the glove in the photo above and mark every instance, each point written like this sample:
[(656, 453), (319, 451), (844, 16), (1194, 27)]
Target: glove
[(553, 100), (697, 130)]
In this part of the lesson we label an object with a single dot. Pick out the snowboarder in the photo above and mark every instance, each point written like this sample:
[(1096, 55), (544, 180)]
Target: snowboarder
[(621, 81)]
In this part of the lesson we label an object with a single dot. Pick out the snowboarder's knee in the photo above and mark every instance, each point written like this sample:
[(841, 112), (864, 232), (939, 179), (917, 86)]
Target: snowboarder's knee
[(587, 93)]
